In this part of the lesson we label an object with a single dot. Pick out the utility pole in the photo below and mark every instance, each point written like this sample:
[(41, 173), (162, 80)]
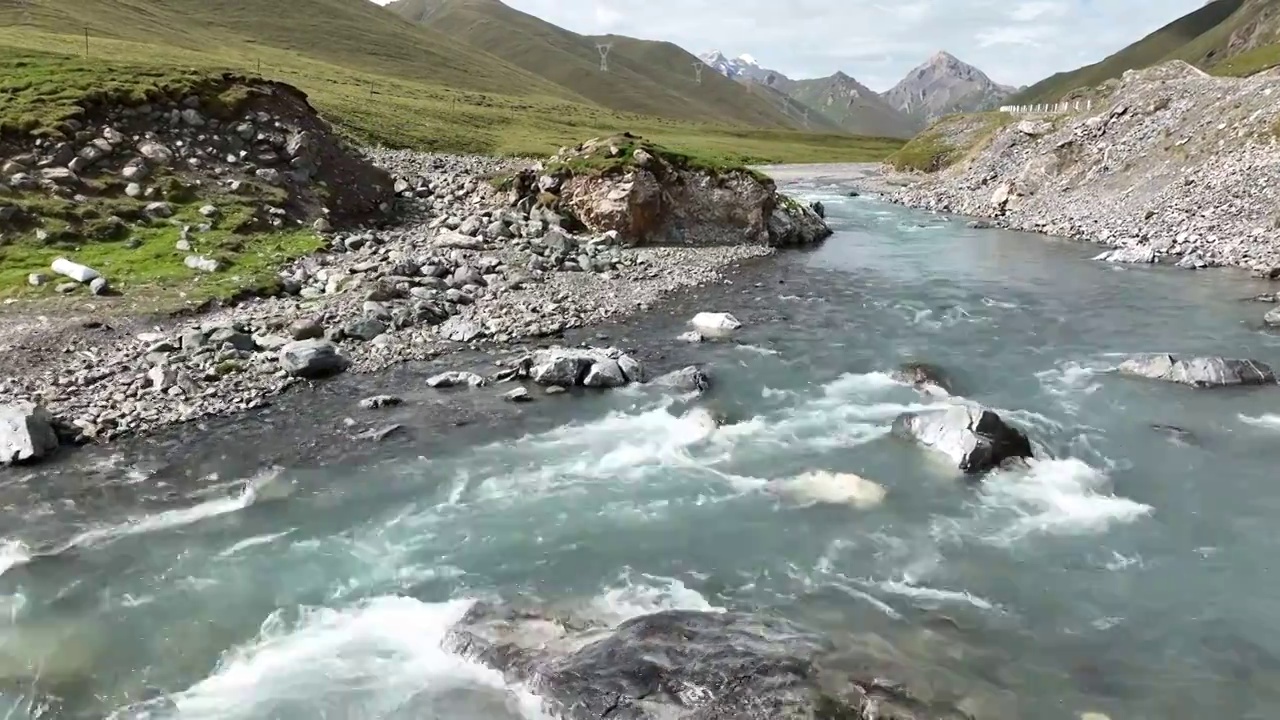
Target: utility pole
[(604, 55)]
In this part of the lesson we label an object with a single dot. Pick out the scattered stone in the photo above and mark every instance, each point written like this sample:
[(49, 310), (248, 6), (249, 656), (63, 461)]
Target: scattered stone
[(37, 279), (210, 211), (693, 336), (159, 209), (604, 373), (975, 438), (381, 433), (554, 390), (201, 263), (98, 286), (1132, 255), (66, 287), (1272, 318), (377, 402), (364, 329), (306, 329)]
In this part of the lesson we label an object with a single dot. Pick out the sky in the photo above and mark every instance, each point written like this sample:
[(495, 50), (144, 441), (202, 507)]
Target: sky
[(1016, 42)]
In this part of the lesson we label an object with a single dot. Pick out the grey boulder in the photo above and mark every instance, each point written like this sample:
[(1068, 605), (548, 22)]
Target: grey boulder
[(455, 378), (975, 438), (26, 433), (1201, 372), (689, 379), (605, 373), (922, 376), (312, 359)]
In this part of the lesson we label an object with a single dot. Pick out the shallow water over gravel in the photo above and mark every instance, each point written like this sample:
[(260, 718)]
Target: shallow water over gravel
[(1130, 574)]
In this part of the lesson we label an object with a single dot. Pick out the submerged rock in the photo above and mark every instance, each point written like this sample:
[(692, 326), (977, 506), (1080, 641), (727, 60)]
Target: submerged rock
[(454, 378), (678, 665), (922, 376), (713, 323), (26, 433), (976, 438), (1201, 372)]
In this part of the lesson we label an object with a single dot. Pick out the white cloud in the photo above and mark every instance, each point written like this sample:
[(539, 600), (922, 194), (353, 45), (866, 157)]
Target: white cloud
[(878, 41)]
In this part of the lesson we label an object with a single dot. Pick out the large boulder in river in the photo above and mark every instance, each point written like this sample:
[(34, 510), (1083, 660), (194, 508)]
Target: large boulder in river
[(679, 665), (650, 195), (26, 433), (312, 359), (589, 367), (1201, 372), (922, 376), (689, 379), (975, 438)]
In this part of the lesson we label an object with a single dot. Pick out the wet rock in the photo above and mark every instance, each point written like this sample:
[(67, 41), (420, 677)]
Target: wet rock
[(1200, 372), (26, 433), (713, 323), (922, 376), (678, 664), (1131, 255), (520, 394), (1272, 318), (604, 373), (560, 367), (1176, 435), (312, 359), (377, 402), (693, 336), (975, 438), (455, 378), (379, 434), (633, 369), (688, 379)]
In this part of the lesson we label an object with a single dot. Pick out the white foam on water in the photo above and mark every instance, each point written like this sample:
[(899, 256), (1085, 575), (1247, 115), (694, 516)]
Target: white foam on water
[(253, 542), (925, 595), (1069, 382), (640, 594), (756, 349), (992, 302), (264, 486), (1269, 421), (1060, 497), (12, 554), (371, 660)]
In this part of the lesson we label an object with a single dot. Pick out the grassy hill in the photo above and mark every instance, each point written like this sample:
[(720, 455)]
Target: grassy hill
[(378, 77), (1212, 36), (644, 76), (852, 106)]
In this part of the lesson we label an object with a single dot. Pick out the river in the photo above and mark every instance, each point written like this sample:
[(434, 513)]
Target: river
[(1127, 573)]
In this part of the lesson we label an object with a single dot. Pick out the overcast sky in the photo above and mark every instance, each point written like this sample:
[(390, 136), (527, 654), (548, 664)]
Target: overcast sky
[(1016, 42)]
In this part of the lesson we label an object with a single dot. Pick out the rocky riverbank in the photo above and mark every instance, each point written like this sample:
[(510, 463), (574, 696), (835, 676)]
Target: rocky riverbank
[(466, 263), (1174, 165)]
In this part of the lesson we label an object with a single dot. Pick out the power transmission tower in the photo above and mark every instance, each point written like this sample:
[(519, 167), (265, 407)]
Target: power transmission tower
[(806, 117), (697, 71), (604, 55)]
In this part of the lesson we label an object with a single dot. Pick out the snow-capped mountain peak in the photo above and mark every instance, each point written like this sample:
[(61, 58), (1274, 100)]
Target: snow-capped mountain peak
[(743, 67), (746, 59)]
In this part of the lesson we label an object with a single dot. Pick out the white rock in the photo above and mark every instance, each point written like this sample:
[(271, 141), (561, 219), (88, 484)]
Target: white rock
[(75, 271), (831, 488), (201, 263), (715, 323), (26, 432)]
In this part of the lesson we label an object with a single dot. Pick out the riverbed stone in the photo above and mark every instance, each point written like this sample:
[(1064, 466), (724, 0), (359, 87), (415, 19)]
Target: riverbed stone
[(1200, 372), (688, 379), (455, 378), (605, 373), (312, 359), (26, 432)]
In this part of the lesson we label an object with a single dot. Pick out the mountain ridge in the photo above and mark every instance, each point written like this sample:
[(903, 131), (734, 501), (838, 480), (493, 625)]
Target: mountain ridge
[(944, 84)]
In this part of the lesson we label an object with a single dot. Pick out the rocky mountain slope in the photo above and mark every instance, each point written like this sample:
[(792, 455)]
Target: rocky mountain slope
[(1212, 35), (1174, 164), (648, 77), (854, 106), (943, 85), (745, 67)]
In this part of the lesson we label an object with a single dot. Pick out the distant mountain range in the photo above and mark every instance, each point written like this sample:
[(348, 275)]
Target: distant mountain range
[(941, 86)]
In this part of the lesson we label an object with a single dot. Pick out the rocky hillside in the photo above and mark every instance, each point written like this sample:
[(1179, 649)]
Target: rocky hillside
[(944, 85), (647, 77), (854, 106), (745, 67), (1175, 164), (1215, 34), (186, 181)]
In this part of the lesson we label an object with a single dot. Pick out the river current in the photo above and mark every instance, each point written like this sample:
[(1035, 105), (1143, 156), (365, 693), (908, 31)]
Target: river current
[(1127, 573)]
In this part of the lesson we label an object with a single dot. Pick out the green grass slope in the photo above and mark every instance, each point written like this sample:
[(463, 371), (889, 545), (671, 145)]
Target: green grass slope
[(1210, 34), (377, 77), (653, 78)]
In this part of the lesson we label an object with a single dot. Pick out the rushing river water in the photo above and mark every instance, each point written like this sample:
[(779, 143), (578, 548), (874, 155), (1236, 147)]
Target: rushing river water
[(1129, 574)]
